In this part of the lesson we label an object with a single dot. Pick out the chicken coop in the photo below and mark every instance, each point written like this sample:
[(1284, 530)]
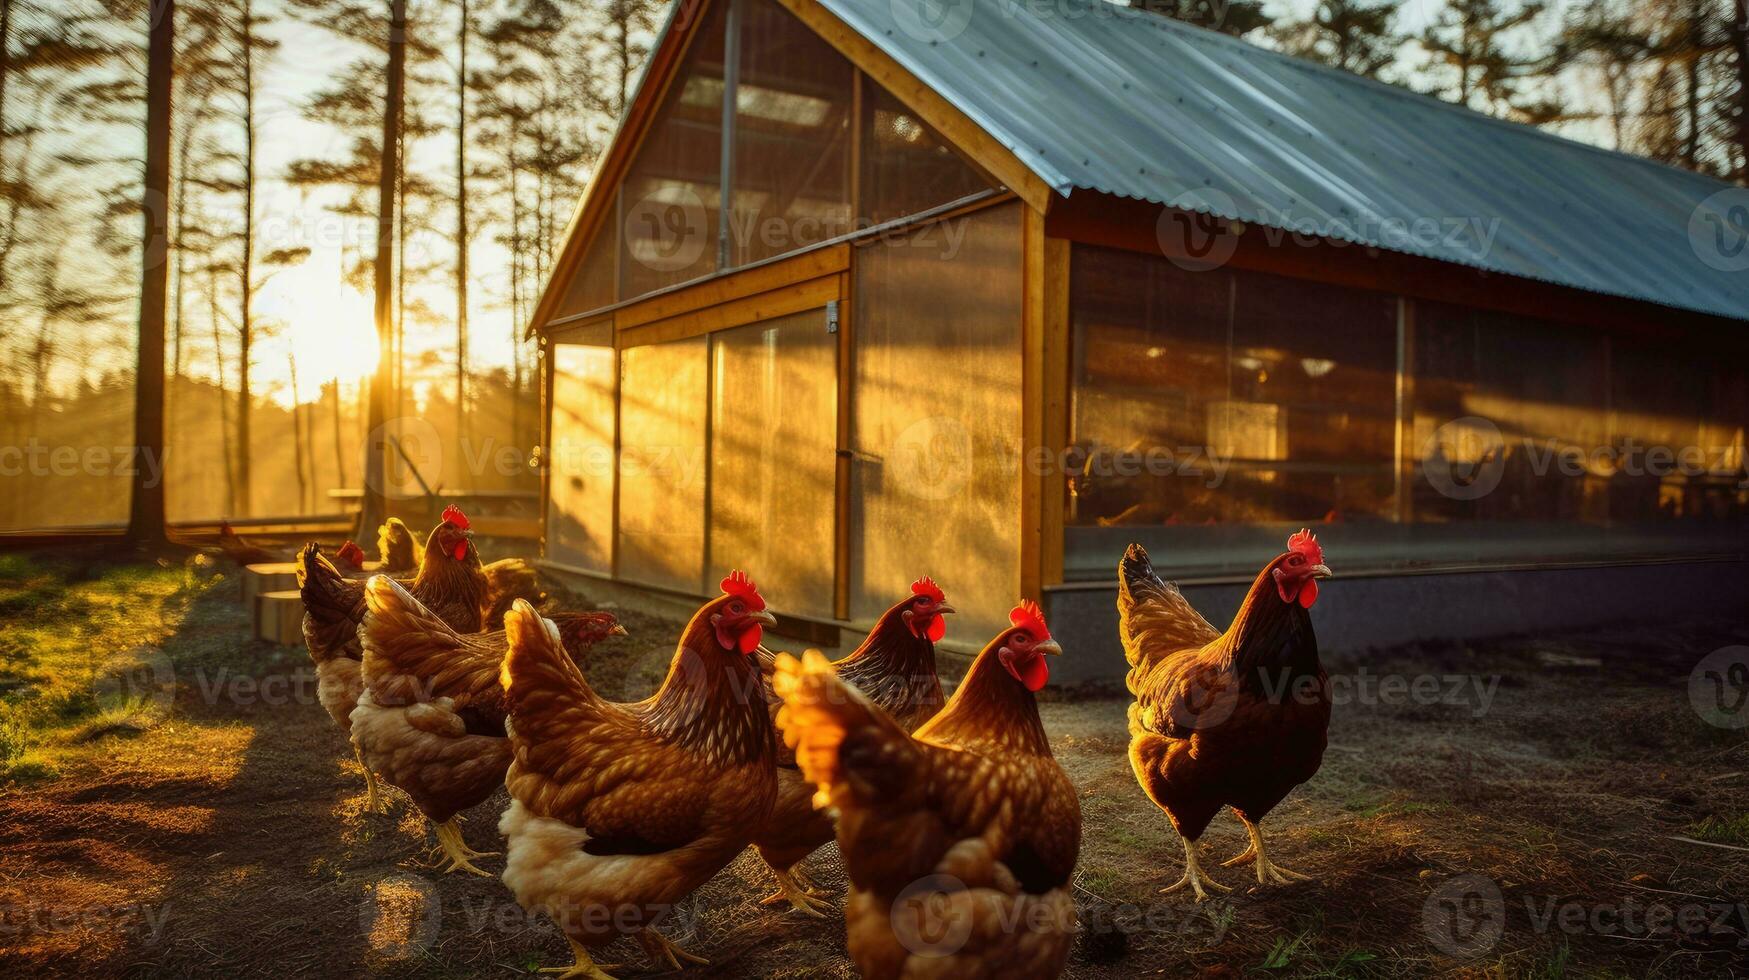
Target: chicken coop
[(865, 290)]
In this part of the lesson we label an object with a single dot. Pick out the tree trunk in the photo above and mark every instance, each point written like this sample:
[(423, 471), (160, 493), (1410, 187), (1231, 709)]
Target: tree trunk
[(461, 230), (375, 451), (291, 364), (246, 266), (212, 301), (339, 455), (146, 506)]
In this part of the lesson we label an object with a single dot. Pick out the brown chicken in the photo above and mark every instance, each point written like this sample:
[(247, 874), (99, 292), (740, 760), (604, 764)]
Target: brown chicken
[(507, 580), (895, 667), (620, 810), (961, 840), (1234, 719), (430, 718), (398, 548), (450, 582)]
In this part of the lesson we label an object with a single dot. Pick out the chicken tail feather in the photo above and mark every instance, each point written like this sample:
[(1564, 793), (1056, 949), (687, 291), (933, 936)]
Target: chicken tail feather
[(333, 606), (845, 744), (542, 685), (1154, 618)]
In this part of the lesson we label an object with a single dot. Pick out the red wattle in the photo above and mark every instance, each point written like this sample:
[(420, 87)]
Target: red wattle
[(461, 550), (1309, 593), (937, 629), (750, 637), (1032, 673)]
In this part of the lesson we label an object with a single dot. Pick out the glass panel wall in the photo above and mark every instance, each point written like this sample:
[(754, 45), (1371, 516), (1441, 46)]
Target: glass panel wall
[(1213, 411), (794, 134), (580, 507), (774, 436), (593, 285), (663, 406), (936, 482), (669, 201), (792, 137), (907, 168)]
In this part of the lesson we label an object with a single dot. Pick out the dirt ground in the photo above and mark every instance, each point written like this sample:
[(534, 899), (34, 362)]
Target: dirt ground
[(1534, 807)]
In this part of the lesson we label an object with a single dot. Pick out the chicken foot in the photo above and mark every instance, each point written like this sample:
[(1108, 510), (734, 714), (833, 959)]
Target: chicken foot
[(801, 893), (662, 950), (373, 798), (585, 967), (449, 838), (1268, 872), (1193, 876)]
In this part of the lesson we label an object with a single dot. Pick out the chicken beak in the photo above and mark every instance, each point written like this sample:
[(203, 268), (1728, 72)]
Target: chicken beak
[(1050, 647), (944, 609), (763, 618), (617, 630), (1322, 571)]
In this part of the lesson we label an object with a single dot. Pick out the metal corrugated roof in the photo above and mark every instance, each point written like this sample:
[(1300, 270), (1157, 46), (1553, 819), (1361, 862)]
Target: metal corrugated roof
[(1094, 96)]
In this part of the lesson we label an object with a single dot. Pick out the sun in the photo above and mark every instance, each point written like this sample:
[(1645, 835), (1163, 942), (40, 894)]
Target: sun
[(309, 312)]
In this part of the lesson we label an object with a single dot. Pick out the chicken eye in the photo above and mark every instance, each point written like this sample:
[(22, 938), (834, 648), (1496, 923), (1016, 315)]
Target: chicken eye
[(1296, 560), (737, 608)]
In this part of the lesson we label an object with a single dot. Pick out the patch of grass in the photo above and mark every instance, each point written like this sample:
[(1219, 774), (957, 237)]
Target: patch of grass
[(1551, 967), (1723, 830), (87, 646)]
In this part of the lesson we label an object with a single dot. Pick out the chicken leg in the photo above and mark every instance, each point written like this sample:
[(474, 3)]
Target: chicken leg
[(373, 799), (661, 950), (801, 893), (449, 837), (1268, 872), (1193, 876), (585, 967)]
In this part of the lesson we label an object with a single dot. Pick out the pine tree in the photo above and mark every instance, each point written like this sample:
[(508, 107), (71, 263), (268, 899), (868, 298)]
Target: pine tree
[(1475, 42), (1353, 35), (1235, 17)]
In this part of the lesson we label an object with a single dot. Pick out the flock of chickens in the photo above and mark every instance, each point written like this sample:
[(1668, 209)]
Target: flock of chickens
[(959, 831)]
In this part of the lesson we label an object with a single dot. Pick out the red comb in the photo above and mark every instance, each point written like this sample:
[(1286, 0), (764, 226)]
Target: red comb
[(738, 584), (1304, 542), (1029, 617), (926, 586), (454, 515), (352, 554)]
